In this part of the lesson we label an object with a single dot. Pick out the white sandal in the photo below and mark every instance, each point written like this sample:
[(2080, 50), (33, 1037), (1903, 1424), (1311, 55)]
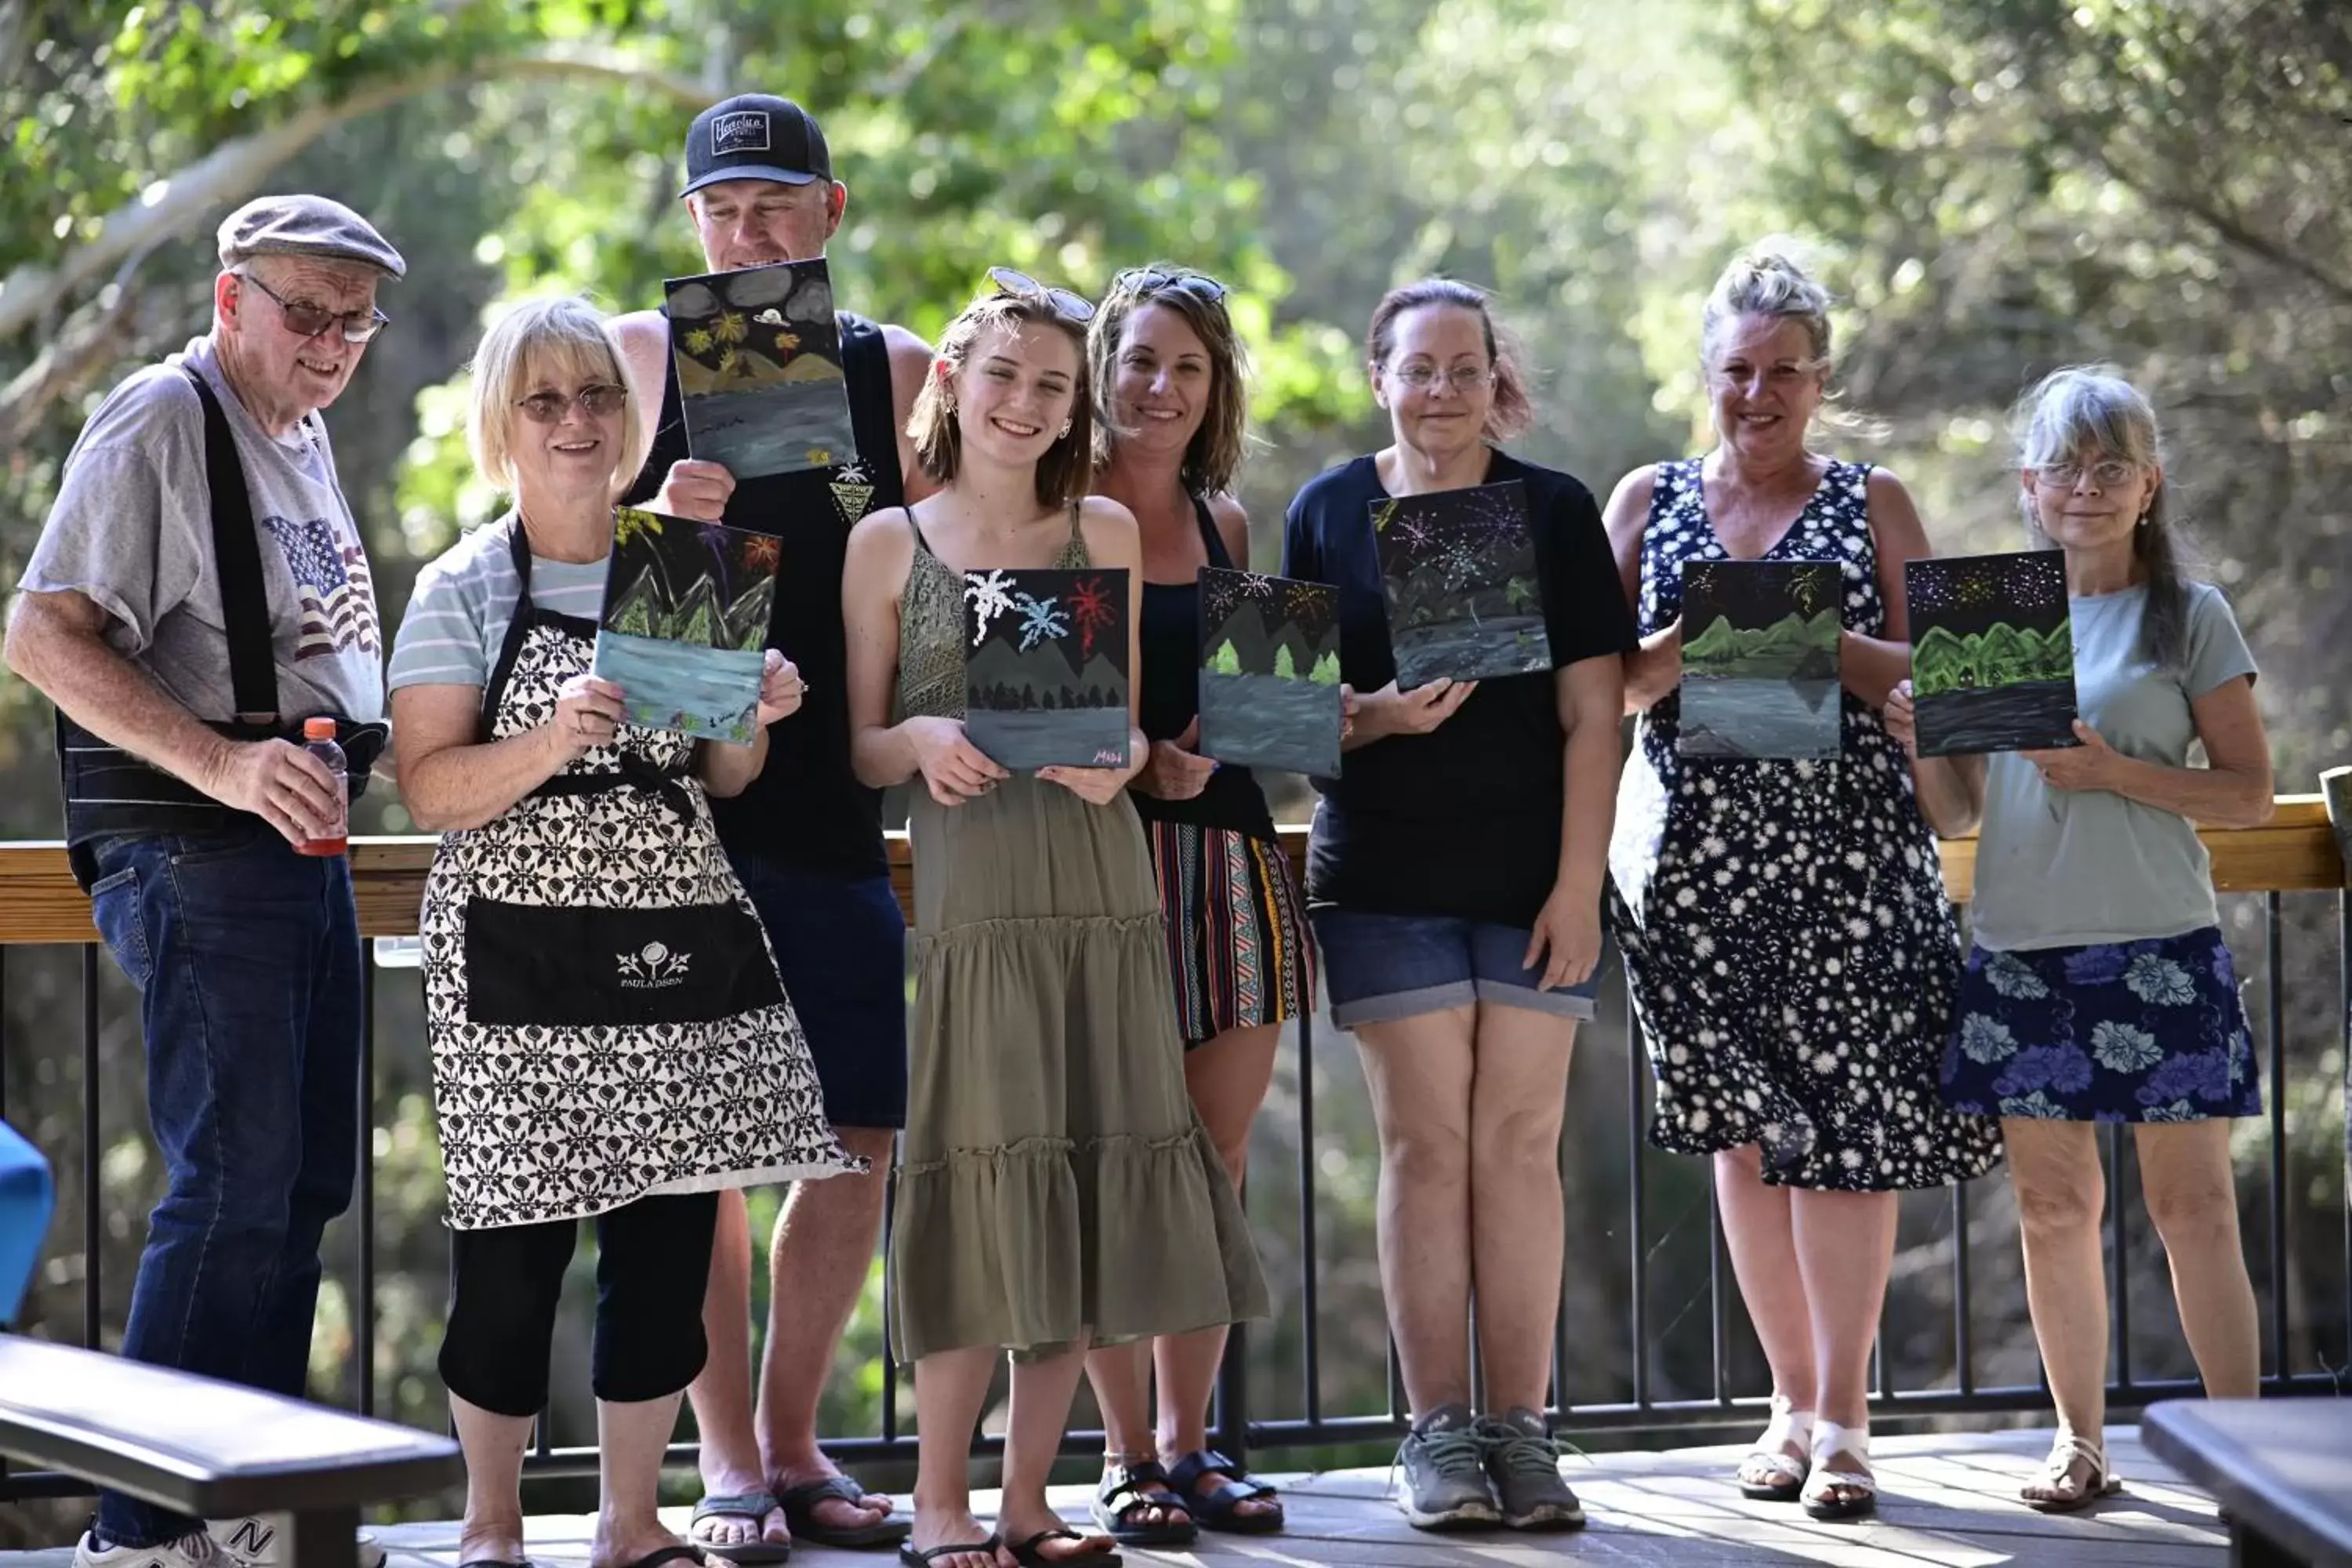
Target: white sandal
[(2058, 1468), (1769, 1455), (1820, 1496)]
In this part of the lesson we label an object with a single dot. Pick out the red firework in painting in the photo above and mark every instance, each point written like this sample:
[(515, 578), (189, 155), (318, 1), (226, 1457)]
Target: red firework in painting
[(1091, 611)]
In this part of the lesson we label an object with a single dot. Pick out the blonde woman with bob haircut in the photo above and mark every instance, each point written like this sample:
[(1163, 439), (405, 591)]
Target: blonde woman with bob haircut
[(1057, 1190), (2098, 987), (610, 1040), (1171, 375)]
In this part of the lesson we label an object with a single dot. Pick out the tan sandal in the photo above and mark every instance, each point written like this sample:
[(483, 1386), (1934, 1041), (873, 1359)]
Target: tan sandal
[(2058, 1470)]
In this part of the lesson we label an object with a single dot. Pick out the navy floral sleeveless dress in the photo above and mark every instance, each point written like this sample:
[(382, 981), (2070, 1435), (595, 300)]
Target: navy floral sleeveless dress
[(1788, 947)]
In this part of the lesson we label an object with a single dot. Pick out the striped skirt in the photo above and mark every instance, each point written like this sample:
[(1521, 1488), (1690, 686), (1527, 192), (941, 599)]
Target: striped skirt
[(1239, 952)]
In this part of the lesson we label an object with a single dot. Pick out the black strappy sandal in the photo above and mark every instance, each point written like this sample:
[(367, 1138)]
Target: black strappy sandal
[(1026, 1552), (915, 1556), (1218, 1507), (1142, 1485)]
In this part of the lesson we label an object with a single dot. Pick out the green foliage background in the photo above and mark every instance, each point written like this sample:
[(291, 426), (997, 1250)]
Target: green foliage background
[(1994, 187)]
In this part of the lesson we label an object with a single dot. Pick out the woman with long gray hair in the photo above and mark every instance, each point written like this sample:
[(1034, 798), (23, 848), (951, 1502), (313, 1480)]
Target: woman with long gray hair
[(1788, 947), (2098, 987)]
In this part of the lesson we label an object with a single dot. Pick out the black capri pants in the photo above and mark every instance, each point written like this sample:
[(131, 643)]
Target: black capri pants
[(653, 1259)]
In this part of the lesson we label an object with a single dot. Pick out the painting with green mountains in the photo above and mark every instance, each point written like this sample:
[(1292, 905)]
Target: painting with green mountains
[(1759, 659), (1993, 652), (1270, 671), (685, 626)]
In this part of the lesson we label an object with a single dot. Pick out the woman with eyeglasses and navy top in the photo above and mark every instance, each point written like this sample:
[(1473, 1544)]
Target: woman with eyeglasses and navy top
[(2098, 987), (1168, 371), (1454, 879), (1056, 1189), (610, 1040)]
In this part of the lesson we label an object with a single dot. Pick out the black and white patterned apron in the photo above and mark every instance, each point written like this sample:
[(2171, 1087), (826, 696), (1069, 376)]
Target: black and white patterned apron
[(606, 1018)]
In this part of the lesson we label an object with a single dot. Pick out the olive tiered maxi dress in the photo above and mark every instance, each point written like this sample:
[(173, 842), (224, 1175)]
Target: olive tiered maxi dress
[(1057, 1187)]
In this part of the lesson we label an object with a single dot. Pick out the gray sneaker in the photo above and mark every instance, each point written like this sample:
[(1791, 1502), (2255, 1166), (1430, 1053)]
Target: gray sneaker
[(1445, 1466), (1525, 1463)]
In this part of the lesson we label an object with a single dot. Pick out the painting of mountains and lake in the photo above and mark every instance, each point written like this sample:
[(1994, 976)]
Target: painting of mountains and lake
[(1993, 652), (685, 627), (1458, 568), (1046, 667), (1270, 671), (1761, 660), (758, 368)]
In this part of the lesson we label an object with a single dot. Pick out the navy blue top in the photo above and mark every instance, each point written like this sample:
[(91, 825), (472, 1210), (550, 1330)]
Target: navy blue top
[(1168, 641), (1465, 820)]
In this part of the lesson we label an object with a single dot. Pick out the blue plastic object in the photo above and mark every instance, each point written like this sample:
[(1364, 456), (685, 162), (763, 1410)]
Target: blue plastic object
[(27, 1196)]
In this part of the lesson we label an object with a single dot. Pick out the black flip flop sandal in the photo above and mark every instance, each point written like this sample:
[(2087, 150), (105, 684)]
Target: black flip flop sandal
[(1218, 1507), (924, 1556), (799, 1504), (1026, 1552), (1143, 1485), (655, 1559), (754, 1506)]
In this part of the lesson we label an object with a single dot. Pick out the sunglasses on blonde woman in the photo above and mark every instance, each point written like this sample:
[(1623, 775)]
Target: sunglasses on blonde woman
[(1071, 308), (1145, 281), (596, 399)]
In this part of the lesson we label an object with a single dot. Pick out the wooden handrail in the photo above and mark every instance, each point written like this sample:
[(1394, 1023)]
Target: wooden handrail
[(2293, 852)]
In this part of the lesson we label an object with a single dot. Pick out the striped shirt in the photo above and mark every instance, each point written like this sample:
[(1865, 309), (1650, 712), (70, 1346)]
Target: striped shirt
[(457, 616)]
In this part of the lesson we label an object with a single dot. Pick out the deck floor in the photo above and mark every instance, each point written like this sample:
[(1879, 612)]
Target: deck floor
[(1947, 1500)]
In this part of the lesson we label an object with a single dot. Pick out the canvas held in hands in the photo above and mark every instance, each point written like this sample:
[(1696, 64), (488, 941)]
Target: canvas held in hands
[(685, 629), (1458, 569), (1046, 656), (759, 369), (1993, 652), (1761, 660), (1269, 676)]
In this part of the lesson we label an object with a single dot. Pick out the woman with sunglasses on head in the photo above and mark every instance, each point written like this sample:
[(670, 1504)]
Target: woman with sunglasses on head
[(1056, 1189), (1168, 369), (1454, 878), (2098, 987), (609, 1039)]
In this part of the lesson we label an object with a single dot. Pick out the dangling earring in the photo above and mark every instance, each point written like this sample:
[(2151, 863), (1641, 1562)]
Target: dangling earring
[(1066, 430)]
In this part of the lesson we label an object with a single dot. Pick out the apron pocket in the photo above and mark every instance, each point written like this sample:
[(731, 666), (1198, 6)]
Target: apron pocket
[(581, 968)]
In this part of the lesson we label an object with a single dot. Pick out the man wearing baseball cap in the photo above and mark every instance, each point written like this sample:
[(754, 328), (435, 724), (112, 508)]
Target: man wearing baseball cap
[(198, 591), (806, 840)]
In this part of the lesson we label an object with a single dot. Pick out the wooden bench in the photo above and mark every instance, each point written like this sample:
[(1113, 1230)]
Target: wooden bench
[(212, 1449), (2281, 1468)]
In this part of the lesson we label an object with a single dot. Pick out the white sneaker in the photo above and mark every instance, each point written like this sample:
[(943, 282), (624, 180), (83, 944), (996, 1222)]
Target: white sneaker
[(253, 1542), (196, 1550)]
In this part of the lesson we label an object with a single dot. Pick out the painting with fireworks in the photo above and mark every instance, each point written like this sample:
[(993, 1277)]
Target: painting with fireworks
[(758, 368), (1270, 671), (1458, 569), (1993, 652), (685, 625), (1046, 667), (1759, 659)]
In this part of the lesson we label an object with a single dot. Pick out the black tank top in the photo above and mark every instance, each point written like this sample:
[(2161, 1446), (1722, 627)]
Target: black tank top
[(807, 808), (1170, 644)]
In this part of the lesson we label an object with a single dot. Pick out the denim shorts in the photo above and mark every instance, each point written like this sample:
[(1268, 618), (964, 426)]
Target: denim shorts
[(841, 946), (1379, 967)]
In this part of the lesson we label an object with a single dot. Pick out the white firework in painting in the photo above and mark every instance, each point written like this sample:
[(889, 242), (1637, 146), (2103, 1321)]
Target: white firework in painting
[(990, 594)]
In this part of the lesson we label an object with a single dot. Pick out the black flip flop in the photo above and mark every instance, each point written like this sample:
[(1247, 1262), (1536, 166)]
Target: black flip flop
[(656, 1558), (1026, 1552), (799, 1504), (754, 1506), (1143, 1485), (1219, 1506), (924, 1556)]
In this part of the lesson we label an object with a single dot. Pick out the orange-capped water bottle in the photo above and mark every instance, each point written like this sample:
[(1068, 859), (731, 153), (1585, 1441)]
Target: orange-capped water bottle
[(319, 739)]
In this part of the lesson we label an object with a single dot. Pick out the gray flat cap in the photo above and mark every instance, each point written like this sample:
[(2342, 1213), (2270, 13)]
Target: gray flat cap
[(305, 226)]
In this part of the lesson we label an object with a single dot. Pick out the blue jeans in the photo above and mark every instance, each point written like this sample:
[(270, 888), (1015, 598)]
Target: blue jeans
[(247, 957), (1379, 967)]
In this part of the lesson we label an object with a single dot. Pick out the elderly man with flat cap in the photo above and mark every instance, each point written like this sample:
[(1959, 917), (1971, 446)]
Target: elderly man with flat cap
[(200, 590), (806, 838)]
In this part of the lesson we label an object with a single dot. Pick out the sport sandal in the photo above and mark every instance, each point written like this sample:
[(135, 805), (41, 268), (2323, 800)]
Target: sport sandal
[(1769, 1473), (1840, 1494), (2058, 1470), (1445, 1466), (1131, 1487), (1219, 1506)]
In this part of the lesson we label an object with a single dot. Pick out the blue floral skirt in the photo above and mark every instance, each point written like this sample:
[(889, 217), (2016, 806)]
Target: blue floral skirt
[(2135, 1031)]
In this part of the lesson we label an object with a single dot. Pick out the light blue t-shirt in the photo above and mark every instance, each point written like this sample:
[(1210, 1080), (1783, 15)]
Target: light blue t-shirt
[(2077, 868), (463, 601)]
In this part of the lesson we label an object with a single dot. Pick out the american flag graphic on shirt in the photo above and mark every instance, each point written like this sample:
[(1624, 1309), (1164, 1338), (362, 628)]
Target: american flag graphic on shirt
[(336, 595)]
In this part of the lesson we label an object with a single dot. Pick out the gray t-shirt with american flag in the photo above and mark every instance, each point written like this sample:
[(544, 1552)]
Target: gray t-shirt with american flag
[(131, 530)]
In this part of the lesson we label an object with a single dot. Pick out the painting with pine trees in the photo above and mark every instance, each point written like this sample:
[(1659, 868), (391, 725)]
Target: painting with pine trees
[(1458, 569), (1046, 667), (684, 630), (758, 352), (1759, 659), (1270, 671), (1993, 652)]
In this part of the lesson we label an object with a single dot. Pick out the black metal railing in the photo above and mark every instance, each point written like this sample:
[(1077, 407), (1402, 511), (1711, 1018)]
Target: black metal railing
[(1237, 1428)]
